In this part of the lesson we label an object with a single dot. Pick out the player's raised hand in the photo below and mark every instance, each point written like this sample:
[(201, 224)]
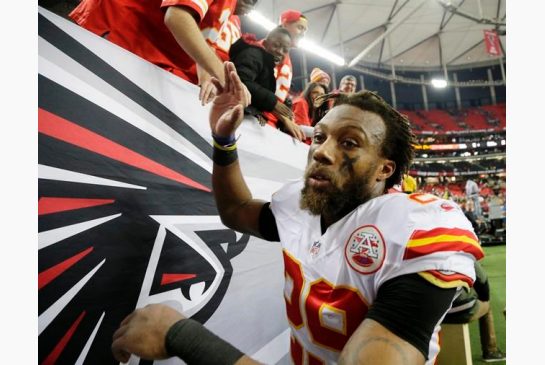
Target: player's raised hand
[(227, 109)]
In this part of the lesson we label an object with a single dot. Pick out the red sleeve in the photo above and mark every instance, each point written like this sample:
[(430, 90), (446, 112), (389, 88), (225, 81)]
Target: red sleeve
[(93, 16), (199, 6), (300, 112)]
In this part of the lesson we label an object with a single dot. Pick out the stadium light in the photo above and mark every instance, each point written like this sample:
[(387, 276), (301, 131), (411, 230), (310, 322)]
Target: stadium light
[(304, 44), (439, 83), (256, 17), (319, 51)]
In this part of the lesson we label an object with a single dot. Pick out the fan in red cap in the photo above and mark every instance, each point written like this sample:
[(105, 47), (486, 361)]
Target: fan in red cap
[(295, 23)]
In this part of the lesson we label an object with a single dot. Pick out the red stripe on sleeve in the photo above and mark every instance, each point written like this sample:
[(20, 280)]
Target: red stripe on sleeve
[(451, 277), (417, 234), (457, 246)]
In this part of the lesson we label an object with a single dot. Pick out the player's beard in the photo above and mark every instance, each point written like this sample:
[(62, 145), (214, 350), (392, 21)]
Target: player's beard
[(336, 201)]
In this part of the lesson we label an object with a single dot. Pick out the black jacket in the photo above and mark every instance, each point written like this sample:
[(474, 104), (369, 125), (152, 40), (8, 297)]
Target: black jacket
[(255, 67)]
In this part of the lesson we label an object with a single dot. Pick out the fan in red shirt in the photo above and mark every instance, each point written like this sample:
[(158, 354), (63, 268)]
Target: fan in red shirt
[(306, 109), (295, 23), (156, 30)]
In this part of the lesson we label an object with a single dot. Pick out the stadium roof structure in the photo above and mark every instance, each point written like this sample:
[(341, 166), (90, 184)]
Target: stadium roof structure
[(405, 35)]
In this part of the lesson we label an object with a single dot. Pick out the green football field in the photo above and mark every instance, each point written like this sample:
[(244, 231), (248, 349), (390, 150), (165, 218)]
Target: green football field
[(494, 264)]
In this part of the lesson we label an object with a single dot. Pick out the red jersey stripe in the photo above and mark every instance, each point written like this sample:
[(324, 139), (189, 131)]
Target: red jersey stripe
[(417, 234), (414, 252), (450, 277)]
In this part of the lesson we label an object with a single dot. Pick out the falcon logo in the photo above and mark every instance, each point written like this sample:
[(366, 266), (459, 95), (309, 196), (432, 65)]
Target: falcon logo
[(365, 250), (126, 214)]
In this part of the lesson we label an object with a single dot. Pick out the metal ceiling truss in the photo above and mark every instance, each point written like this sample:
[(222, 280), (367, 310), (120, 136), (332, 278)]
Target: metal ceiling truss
[(388, 26), (383, 35), (477, 19), (328, 21), (359, 35)]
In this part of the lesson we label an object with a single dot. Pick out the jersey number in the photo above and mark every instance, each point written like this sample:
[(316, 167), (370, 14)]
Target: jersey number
[(332, 313)]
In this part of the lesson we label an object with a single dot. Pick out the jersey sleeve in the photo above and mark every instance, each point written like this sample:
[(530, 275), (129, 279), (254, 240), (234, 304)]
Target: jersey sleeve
[(199, 6), (267, 224), (438, 243), (411, 308)]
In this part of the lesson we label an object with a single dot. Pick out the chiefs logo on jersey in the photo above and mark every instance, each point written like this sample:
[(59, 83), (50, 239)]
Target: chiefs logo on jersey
[(365, 250)]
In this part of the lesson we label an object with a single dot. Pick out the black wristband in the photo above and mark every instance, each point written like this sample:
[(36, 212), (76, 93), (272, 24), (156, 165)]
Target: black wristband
[(224, 157), (196, 345)]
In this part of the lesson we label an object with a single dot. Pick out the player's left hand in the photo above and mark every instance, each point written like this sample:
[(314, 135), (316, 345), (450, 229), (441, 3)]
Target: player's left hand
[(143, 333)]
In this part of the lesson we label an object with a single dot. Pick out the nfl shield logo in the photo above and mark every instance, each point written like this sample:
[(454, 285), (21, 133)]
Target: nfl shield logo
[(315, 248)]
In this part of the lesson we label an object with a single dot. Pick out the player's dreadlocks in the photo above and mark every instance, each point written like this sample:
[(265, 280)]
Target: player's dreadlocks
[(398, 143)]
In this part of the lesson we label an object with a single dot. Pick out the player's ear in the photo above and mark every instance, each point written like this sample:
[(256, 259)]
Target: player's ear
[(386, 169)]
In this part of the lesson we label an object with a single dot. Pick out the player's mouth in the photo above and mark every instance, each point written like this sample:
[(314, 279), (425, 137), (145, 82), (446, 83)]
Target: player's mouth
[(319, 180)]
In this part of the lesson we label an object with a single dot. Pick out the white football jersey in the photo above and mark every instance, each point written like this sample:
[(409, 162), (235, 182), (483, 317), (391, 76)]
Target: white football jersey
[(332, 279)]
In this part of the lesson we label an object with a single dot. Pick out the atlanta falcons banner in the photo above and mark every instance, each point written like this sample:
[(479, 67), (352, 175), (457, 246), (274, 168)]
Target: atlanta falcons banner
[(492, 42), (126, 213)]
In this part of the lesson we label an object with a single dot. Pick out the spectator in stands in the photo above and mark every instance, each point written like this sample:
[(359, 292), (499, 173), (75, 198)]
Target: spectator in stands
[(409, 184), (255, 62), (176, 35), (341, 236), (348, 84), (474, 304), (446, 193), (320, 76), (295, 23), (472, 193), (308, 109), (468, 207)]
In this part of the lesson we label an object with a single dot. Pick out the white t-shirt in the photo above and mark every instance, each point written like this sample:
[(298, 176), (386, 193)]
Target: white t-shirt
[(472, 188)]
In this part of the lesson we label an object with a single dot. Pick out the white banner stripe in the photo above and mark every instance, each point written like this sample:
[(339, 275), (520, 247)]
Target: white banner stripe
[(85, 351), (52, 236), (54, 173), (275, 350), (52, 312), (91, 87)]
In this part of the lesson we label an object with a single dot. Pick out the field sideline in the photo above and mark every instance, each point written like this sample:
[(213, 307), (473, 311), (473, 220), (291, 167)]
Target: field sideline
[(494, 264)]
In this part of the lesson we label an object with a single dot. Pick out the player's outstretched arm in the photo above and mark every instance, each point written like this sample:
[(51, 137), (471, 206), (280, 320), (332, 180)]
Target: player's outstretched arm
[(236, 206), (400, 324)]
